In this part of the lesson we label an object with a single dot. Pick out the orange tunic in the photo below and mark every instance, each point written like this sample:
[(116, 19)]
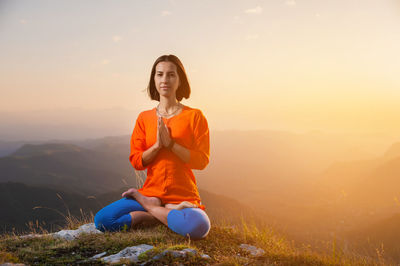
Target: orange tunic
[(168, 177)]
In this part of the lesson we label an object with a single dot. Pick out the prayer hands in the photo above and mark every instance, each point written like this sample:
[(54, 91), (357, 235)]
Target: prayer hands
[(163, 135)]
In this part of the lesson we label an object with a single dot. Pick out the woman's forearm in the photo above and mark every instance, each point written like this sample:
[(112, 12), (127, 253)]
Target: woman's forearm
[(182, 152), (149, 155)]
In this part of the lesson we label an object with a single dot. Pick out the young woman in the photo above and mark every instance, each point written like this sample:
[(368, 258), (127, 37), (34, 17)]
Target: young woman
[(169, 141)]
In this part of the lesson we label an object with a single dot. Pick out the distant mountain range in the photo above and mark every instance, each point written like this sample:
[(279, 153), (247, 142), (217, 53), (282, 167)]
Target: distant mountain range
[(18, 202), (25, 207), (279, 162), (68, 167), (369, 183)]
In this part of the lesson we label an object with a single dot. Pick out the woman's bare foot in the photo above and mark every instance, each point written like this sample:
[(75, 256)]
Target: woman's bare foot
[(146, 202), (180, 206)]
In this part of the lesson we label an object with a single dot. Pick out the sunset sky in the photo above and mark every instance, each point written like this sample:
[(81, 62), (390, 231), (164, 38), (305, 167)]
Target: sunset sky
[(289, 65)]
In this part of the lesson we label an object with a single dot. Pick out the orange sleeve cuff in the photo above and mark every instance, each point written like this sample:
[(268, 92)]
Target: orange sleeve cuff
[(198, 160), (136, 160)]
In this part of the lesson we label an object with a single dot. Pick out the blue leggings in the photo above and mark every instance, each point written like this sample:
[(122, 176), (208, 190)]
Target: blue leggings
[(115, 217)]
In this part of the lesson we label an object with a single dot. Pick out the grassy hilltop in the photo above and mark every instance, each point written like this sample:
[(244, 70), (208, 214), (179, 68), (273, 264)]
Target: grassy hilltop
[(221, 244)]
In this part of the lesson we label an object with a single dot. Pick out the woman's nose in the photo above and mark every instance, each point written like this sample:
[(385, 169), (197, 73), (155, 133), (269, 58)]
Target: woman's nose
[(164, 78)]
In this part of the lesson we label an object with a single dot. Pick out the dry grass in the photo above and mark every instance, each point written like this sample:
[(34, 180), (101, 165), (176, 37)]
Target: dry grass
[(222, 245)]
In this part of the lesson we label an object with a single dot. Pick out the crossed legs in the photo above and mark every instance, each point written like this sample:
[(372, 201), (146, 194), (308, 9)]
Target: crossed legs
[(182, 218), (151, 204)]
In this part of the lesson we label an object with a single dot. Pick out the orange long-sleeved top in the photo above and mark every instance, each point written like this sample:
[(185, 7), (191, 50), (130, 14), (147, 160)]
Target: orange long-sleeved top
[(168, 177)]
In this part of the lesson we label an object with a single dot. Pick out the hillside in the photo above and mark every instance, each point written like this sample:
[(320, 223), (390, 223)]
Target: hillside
[(19, 203), (67, 167), (222, 245), (23, 205), (361, 188), (385, 233)]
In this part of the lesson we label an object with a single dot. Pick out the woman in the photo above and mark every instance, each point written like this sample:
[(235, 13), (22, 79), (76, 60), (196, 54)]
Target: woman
[(168, 140)]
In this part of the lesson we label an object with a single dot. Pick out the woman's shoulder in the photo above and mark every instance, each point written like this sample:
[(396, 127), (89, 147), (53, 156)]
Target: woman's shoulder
[(147, 113), (194, 111), (197, 116)]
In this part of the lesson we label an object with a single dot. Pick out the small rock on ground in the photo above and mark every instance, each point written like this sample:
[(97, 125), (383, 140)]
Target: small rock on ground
[(98, 256), (69, 234), (179, 253), (72, 234), (254, 251), (129, 253)]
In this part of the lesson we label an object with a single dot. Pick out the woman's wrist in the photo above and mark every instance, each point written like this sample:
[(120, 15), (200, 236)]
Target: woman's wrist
[(182, 152), (171, 144), (156, 147)]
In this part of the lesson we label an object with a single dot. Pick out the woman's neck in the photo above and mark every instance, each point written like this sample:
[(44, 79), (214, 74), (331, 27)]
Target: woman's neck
[(167, 105)]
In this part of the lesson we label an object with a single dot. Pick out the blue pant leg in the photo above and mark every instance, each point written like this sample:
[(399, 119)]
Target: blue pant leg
[(115, 216), (192, 221)]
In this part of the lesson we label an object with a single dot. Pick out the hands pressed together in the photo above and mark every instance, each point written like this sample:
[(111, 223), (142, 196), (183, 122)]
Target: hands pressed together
[(163, 135)]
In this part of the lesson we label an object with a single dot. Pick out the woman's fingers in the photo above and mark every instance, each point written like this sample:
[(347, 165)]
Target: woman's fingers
[(163, 132), (166, 128), (128, 193)]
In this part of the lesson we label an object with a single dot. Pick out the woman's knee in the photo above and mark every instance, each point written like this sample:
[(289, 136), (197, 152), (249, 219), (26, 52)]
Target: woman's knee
[(116, 216), (201, 226), (101, 220), (192, 222), (104, 221)]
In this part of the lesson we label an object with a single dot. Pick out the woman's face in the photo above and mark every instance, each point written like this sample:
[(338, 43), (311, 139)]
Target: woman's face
[(166, 79)]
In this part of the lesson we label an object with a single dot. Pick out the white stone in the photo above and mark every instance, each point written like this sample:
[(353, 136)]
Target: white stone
[(68, 234), (179, 253), (129, 253), (98, 256), (72, 234), (190, 250), (205, 256), (252, 249)]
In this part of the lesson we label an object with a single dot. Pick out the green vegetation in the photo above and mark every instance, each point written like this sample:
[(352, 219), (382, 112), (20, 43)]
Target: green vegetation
[(222, 245)]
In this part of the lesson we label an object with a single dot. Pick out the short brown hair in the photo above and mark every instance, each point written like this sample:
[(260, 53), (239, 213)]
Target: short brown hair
[(183, 90)]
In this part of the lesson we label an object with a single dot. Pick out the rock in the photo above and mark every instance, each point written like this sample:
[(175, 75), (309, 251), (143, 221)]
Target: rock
[(254, 251), (159, 256), (205, 256), (189, 250), (179, 253), (68, 234), (174, 253), (72, 234), (98, 256), (129, 253)]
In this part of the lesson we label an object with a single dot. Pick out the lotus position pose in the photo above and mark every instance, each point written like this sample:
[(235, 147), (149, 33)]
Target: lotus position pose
[(169, 141)]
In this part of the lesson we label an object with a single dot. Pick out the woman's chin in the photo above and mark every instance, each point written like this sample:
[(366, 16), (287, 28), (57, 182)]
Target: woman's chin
[(165, 94)]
